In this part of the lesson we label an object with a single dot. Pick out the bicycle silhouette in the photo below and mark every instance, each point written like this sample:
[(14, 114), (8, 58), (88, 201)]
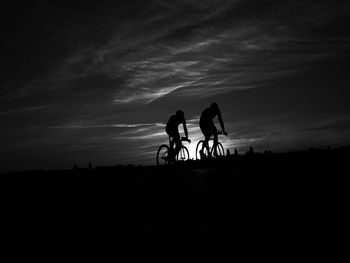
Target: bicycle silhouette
[(207, 152), (163, 153)]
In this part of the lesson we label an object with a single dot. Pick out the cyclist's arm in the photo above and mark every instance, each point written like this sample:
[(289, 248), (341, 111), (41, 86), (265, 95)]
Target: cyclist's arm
[(221, 122)]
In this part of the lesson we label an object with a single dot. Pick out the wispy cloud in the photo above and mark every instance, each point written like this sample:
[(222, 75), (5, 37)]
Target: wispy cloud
[(211, 50), (118, 125), (22, 110)]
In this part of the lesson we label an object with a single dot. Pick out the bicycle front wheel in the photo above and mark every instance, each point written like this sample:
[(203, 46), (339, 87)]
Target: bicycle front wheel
[(183, 154), (219, 150), (163, 155)]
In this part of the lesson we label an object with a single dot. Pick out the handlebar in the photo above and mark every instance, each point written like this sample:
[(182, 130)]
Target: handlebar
[(221, 132)]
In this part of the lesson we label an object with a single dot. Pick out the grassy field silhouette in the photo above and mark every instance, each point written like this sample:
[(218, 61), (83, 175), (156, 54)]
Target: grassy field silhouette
[(257, 205)]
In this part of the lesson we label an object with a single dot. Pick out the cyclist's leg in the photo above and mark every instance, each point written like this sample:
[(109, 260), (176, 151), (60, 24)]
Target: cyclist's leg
[(215, 143), (206, 145), (213, 132), (171, 144), (206, 138), (206, 133), (178, 143), (174, 134), (171, 148)]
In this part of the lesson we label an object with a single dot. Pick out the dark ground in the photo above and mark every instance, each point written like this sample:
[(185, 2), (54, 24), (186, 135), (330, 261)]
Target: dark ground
[(258, 206)]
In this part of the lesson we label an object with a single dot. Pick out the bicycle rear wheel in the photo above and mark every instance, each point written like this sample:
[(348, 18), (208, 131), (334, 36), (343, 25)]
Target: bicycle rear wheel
[(199, 147), (162, 155), (183, 154)]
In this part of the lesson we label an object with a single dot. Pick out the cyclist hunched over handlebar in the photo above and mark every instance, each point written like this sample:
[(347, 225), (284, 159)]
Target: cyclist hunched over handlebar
[(173, 131), (208, 127)]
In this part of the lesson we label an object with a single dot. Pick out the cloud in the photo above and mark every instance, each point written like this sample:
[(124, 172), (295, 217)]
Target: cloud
[(196, 48), (21, 110), (117, 125), (248, 54)]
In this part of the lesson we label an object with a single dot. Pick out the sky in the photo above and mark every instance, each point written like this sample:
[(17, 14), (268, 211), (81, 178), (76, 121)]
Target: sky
[(97, 81)]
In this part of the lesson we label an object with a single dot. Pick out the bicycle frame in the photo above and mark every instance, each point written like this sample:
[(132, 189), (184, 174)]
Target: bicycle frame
[(163, 152), (209, 148)]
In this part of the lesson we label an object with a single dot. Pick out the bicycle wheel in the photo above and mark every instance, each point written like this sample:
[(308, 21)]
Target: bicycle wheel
[(219, 150), (183, 154), (198, 148), (162, 155)]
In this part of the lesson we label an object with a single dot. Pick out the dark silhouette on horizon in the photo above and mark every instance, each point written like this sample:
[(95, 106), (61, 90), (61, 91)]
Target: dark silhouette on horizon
[(166, 154), (208, 128), (173, 131)]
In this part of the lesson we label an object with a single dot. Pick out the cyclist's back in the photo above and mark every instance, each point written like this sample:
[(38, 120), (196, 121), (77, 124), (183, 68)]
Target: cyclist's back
[(207, 116), (173, 131), (172, 124), (206, 121)]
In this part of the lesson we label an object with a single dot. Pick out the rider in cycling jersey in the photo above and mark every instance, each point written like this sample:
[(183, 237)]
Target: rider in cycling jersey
[(172, 130), (207, 125)]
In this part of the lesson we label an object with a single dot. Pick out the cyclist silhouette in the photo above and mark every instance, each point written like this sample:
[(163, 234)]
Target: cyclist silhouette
[(208, 127), (173, 131)]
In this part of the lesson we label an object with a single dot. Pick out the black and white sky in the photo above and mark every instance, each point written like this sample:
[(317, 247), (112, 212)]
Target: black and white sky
[(96, 81)]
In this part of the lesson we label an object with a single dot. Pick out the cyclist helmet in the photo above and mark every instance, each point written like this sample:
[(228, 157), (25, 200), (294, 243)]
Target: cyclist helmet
[(214, 106), (180, 114)]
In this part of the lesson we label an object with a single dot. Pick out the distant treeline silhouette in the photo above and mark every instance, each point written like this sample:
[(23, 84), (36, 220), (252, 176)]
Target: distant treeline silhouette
[(311, 154)]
